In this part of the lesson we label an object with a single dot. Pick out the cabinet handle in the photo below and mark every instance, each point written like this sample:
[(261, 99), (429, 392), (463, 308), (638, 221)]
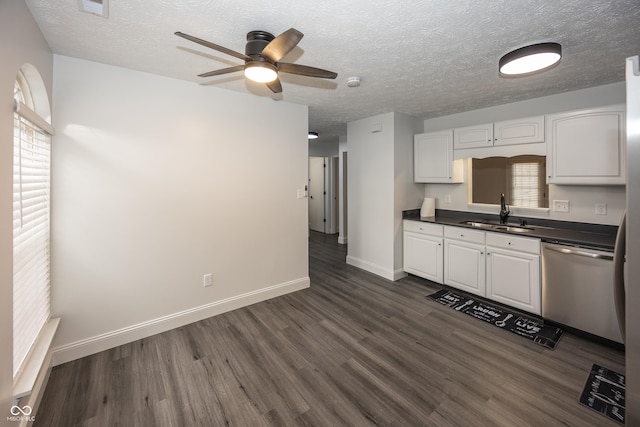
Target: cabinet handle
[(488, 253), (462, 235), (481, 253), (508, 243)]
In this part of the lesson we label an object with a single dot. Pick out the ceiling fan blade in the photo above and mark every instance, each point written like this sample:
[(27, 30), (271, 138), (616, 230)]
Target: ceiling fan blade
[(222, 71), (275, 86), (213, 46), (281, 45), (305, 70)]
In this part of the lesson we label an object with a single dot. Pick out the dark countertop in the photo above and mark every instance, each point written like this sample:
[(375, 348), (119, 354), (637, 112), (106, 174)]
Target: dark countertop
[(595, 236)]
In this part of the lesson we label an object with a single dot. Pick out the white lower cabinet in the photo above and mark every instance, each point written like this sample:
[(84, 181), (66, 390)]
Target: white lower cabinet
[(513, 271), (464, 259), (423, 252), (498, 266)]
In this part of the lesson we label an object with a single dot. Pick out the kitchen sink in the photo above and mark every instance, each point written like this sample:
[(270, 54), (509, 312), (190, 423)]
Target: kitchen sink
[(511, 228), (478, 224), (502, 227)]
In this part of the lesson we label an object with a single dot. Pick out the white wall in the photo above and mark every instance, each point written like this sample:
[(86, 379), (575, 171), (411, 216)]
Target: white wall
[(582, 199), (380, 186), (157, 182), (20, 42), (370, 182), (343, 205), (407, 194)]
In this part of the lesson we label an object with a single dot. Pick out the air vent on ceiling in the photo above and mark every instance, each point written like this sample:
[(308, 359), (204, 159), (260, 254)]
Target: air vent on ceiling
[(96, 7)]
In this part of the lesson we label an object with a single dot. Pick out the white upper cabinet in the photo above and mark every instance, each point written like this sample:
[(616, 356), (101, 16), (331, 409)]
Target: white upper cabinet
[(433, 158), (521, 131), (473, 136), (587, 147), (528, 130)]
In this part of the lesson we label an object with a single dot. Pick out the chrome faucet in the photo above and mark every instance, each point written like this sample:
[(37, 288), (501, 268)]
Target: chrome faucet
[(504, 210)]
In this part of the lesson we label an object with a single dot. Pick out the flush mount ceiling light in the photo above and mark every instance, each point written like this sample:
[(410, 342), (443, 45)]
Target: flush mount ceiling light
[(529, 60), (313, 135), (261, 72)]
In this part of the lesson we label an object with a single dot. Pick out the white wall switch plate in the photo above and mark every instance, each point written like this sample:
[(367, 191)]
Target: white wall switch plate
[(561, 206), (601, 208)]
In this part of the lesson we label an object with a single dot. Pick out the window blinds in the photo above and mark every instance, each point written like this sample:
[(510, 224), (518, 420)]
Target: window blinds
[(31, 189), (525, 188)]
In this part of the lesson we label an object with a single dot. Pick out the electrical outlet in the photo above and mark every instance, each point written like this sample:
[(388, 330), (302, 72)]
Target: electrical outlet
[(601, 208), (447, 198), (207, 280), (561, 205)]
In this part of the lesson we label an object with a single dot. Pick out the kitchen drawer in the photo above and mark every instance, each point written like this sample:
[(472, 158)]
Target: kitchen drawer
[(464, 234), (509, 241), (423, 227)]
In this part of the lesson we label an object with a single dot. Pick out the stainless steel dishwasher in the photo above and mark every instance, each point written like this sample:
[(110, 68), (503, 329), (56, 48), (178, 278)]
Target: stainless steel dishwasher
[(577, 289)]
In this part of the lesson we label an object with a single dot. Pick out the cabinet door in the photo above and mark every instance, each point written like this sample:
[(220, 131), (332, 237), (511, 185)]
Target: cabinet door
[(513, 278), (473, 136), (587, 147), (464, 266), (423, 256), (521, 131), (433, 158)]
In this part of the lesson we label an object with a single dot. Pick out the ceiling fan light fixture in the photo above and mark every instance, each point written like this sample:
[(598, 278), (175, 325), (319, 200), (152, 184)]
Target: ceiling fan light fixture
[(313, 135), (530, 60), (261, 72)]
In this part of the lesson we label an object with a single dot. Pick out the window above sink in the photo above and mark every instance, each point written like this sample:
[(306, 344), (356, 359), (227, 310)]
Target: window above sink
[(521, 178)]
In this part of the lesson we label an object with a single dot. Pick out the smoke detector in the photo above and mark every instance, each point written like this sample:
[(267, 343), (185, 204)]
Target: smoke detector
[(95, 7), (353, 81)]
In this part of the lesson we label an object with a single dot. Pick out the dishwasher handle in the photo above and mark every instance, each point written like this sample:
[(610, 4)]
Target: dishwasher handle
[(579, 252)]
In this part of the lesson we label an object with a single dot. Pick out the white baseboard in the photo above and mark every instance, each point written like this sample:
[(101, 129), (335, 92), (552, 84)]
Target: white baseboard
[(92, 345), (399, 274), (342, 240), (371, 267)]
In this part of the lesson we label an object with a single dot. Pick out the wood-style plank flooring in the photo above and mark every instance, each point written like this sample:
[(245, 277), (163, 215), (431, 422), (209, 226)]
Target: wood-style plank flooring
[(352, 350)]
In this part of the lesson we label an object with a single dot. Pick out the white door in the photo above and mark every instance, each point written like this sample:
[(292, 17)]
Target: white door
[(316, 194)]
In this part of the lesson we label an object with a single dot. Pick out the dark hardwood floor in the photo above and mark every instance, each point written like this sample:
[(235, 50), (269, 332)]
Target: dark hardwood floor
[(352, 350)]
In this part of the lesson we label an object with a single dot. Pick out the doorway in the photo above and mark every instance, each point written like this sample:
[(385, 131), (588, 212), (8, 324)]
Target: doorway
[(323, 194)]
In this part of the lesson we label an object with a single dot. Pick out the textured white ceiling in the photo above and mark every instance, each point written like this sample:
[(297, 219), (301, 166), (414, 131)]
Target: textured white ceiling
[(426, 58)]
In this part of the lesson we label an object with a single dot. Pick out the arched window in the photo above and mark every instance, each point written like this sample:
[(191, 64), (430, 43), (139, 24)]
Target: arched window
[(31, 196)]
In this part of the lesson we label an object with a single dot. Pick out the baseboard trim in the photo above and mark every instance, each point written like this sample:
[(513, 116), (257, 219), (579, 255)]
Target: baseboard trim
[(76, 350), (342, 240), (370, 267), (399, 274)]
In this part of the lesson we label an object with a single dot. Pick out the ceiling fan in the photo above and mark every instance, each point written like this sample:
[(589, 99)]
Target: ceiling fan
[(262, 56)]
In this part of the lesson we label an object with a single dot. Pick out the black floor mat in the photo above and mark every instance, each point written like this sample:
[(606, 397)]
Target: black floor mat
[(604, 392), (540, 333)]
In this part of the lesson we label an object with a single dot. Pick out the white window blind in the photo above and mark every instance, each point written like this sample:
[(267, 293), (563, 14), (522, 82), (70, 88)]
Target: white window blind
[(525, 184), (31, 189)]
